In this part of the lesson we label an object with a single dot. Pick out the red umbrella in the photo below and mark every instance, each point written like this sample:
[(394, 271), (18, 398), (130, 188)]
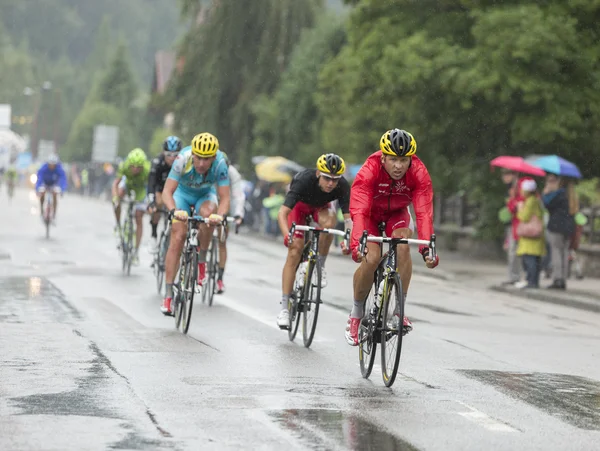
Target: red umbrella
[(516, 164)]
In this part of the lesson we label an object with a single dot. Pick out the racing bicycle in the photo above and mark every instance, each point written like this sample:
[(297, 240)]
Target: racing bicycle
[(306, 296), (127, 234), (185, 284), (384, 309)]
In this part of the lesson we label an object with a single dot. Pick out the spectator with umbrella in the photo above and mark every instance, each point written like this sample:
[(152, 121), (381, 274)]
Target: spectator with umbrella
[(512, 170), (562, 203)]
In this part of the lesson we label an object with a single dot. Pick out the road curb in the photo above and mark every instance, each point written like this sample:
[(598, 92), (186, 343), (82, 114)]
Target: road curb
[(543, 296)]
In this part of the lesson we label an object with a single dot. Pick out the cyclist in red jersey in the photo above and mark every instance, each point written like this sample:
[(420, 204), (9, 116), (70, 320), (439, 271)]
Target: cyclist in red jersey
[(388, 182), (312, 192)]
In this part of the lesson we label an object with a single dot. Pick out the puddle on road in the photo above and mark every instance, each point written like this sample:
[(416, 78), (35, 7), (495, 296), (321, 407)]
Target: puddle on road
[(573, 399), (332, 429), (35, 293)]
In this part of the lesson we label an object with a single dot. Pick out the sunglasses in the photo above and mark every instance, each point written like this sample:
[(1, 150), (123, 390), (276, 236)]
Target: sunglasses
[(330, 178)]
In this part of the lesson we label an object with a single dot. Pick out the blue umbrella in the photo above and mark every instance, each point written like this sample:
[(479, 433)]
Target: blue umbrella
[(557, 165)]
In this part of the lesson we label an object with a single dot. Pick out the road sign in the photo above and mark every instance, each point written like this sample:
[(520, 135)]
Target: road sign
[(5, 116), (106, 143)]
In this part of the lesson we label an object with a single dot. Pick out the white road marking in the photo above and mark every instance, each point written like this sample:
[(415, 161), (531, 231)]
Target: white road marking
[(484, 420)]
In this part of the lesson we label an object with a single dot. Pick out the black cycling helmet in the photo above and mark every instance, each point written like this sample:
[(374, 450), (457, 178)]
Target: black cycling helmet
[(331, 164)]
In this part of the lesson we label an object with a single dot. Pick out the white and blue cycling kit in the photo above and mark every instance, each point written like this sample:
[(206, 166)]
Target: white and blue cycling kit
[(195, 189)]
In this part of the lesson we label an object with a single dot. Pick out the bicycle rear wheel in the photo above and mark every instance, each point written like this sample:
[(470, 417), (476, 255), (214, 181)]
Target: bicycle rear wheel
[(190, 279), (368, 334), (211, 268), (159, 261), (311, 302), (391, 329)]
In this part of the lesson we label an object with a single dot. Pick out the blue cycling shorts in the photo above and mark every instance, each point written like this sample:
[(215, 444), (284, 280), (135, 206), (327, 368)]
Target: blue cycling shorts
[(183, 200)]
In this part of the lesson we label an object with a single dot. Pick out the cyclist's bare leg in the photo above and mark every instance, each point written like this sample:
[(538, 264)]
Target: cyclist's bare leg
[(291, 263), (206, 209), (404, 259), (42, 195), (178, 232), (363, 276), (139, 231), (327, 219)]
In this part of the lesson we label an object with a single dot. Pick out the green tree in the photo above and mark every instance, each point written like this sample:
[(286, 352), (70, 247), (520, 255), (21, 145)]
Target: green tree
[(288, 122), (231, 59), (472, 80), (117, 86)]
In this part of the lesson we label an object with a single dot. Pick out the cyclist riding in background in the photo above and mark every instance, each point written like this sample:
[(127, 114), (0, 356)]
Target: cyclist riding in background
[(236, 209), (159, 172), (312, 192), (11, 177), (388, 182), (192, 180), (50, 177), (132, 175)]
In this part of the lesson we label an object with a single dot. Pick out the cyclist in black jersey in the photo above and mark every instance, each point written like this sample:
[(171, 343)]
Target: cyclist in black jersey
[(159, 172), (312, 192)]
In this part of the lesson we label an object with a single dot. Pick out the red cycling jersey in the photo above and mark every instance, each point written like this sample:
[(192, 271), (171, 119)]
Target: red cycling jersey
[(376, 196)]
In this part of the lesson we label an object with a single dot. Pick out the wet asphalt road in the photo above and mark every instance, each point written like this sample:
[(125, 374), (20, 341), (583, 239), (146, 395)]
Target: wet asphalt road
[(88, 362)]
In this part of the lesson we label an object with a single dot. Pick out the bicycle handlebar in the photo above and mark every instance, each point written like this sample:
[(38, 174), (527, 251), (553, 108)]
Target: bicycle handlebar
[(305, 228), (224, 222), (380, 239)]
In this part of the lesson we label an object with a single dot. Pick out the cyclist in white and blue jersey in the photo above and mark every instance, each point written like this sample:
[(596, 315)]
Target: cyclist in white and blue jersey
[(199, 177)]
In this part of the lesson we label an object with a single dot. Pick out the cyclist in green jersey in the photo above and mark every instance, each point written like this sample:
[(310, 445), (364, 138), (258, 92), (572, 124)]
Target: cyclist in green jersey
[(132, 175), (11, 180)]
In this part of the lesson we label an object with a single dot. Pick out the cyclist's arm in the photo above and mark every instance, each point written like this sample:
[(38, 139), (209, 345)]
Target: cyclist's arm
[(282, 219), (40, 178), (223, 188), (344, 203), (237, 193), (167, 193), (423, 204), (224, 193), (115, 185), (62, 178), (152, 178), (361, 200)]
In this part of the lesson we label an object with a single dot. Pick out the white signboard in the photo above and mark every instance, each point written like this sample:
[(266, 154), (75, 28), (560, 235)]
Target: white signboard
[(106, 143), (5, 116), (45, 149)]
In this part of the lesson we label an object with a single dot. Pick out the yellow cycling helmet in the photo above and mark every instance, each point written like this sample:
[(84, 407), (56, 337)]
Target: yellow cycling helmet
[(205, 145), (399, 143), (330, 163)]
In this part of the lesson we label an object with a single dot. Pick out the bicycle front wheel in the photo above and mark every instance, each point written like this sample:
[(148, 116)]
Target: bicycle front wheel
[(190, 279), (130, 244), (391, 329), (311, 301), (368, 334)]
